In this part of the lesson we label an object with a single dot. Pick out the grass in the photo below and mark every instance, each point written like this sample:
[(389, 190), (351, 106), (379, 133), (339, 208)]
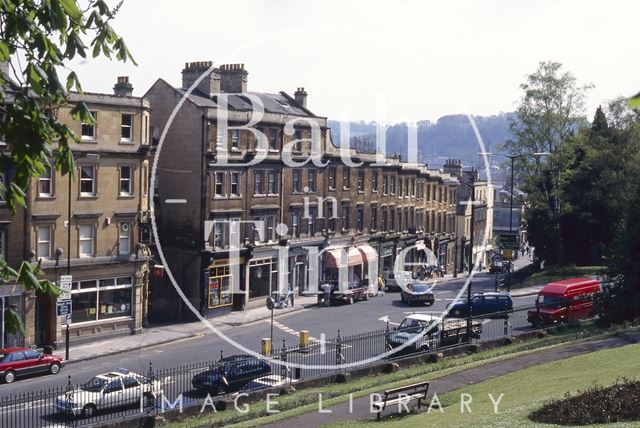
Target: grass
[(306, 400), (524, 391), (554, 273)]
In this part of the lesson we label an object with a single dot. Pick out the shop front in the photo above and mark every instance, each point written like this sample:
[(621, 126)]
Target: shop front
[(386, 257), (342, 266)]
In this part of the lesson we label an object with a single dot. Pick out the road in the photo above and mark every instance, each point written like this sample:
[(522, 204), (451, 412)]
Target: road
[(347, 319)]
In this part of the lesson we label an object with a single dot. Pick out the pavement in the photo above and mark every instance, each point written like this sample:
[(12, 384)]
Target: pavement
[(163, 334), (359, 409)]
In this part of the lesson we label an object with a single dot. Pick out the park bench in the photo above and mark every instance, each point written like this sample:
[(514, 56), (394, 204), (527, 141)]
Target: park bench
[(401, 396)]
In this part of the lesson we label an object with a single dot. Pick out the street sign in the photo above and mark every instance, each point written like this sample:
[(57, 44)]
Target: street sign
[(63, 309), (65, 287), (508, 241)]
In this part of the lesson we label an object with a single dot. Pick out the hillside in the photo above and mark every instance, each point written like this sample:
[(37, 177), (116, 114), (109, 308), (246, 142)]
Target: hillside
[(451, 136)]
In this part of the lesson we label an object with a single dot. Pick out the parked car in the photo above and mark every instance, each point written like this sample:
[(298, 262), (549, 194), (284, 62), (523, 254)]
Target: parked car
[(418, 292), (564, 301), (109, 390), (498, 267), (15, 362), (432, 332), (492, 304), (396, 280), (230, 374)]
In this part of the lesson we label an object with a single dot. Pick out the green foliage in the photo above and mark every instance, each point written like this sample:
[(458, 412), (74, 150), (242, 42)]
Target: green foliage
[(43, 36)]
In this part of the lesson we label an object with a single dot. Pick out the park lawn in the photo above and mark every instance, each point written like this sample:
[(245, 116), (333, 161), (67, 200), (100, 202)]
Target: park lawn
[(554, 273), (524, 391)]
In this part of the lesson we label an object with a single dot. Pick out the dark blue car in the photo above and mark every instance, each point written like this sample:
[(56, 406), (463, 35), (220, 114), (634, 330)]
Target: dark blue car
[(491, 304), (230, 374)]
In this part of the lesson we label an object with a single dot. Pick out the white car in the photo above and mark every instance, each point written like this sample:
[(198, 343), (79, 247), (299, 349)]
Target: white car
[(109, 390)]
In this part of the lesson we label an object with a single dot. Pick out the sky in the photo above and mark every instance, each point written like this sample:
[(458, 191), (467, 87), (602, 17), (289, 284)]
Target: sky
[(388, 61)]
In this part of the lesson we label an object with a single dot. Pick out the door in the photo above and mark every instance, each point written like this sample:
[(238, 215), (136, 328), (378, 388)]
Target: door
[(19, 363), (112, 395), (132, 390), (34, 362)]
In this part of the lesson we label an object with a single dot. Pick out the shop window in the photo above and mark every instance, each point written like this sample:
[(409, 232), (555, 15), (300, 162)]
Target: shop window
[(219, 287), (95, 300)]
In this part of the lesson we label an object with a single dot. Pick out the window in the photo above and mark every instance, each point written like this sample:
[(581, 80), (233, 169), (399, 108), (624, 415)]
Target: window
[(218, 234), (399, 188), (359, 219), (374, 182), (273, 139), (45, 183), (126, 128), (219, 189), (89, 129), (86, 235), (361, 180), (124, 239), (413, 188), (393, 185), (332, 178), (87, 180), (3, 192), (264, 228), (297, 146), (311, 180), (383, 227), (3, 242), (44, 242), (331, 217), (126, 188), (258, 183), (346, 175), (295, 223), (345, 217), (272, 183), (297, 174), (392, 220), (235, 139), (311, 221), (374, 218), (235, 184), (385, 182)]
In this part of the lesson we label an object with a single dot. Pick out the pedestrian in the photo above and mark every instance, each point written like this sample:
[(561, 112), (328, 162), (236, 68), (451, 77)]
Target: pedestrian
[(326, 290), (380, 283)]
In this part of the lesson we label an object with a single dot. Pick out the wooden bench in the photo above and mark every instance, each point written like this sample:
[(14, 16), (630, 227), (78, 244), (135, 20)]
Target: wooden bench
[(402, 395)]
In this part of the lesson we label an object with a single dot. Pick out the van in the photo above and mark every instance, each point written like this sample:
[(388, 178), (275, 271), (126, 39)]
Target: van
[(396, 280), (564, 301)]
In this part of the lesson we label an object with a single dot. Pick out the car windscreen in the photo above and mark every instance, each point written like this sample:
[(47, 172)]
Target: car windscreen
[(411, 325), (547, 300), (94, 385), (420, 288)]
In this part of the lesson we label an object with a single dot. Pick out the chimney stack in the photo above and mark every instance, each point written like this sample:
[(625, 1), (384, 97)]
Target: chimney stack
[(453, 167), (301, 97), (123, 88), (209, 85), (233, 78)]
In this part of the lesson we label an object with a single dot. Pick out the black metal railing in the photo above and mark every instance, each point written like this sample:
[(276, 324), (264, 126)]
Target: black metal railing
[(159, 390)]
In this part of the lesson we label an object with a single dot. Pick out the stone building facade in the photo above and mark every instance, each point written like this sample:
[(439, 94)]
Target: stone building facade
[(89, 224), (214, 180)]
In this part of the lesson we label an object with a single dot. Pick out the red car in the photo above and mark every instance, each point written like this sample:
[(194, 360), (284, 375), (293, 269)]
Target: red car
[(25, 361)]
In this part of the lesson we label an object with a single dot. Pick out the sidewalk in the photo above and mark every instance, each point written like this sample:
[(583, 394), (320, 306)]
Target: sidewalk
[(361, 406), (157, 335)]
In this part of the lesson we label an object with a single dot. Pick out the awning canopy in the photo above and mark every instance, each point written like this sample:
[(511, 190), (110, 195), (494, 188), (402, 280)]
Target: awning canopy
[(370, 255), (339, 257)]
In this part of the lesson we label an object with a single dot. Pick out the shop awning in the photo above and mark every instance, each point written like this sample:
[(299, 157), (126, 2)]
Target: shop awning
[(337, 257), (369, 254)]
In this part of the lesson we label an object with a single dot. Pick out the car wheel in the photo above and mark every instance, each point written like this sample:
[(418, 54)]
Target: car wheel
[(9, 376), (88, 411), (54, 368)]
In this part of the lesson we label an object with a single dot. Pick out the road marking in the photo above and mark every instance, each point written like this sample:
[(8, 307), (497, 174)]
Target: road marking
[(290, 330)]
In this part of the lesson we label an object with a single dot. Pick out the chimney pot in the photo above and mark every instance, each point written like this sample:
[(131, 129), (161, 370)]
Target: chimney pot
[(123, 88)]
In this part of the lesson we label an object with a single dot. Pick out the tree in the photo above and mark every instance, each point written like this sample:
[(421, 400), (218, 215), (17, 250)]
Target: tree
[(549, 113), (37, 38)]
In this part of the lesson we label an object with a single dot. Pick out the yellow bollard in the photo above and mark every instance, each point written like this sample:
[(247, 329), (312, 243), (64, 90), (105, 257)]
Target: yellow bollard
[(304, 339), (265, 348)]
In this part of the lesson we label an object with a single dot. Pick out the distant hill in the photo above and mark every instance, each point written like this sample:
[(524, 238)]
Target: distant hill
[(451, 136)]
